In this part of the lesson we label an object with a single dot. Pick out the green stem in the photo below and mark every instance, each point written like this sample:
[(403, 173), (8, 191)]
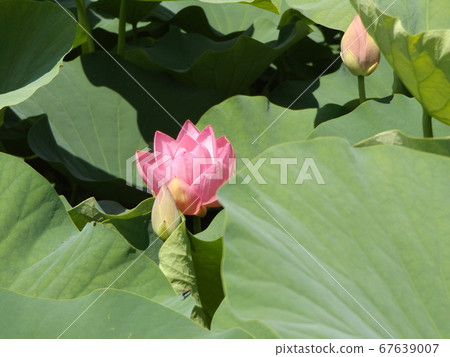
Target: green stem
[(427, 125), (88, 46), (361, 89), (135, 33), (122, 28), (197, 224)]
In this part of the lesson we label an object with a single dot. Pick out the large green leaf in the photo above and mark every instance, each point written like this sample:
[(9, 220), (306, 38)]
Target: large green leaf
[(363, 255), (116, 314), (193, 263), (135, 10), (134, 225), (176, 262), (225, 319), (182, 16), (207, 250), (229, 66), (440, 146), (271, 5), (227, 18), (207, 258), (94, 130), (415, 15), (417, 46), (335, 14), (34, 39), (14, 132), (252, 124), (373, 117), (44, 255), (215, 229)]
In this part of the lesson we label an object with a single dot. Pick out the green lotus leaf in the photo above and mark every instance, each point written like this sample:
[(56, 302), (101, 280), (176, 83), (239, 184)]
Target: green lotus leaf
[(35, 38), (207, 252), (440, 146), (96, 121), (271, 5), (229, 66), (227, 18), (215, 229), (116, 314), (134, 224), (335, 14), (177, 263), (135, 10), (358, 248), (252, 124), (44, 255), (374, 117), (225, 319)]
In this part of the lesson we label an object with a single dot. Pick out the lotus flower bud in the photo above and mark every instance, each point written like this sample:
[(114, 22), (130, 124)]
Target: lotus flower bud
[(359, 51), (165, 215)]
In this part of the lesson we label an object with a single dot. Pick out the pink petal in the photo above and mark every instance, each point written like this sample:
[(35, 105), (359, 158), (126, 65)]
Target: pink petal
[(226, 151), (220, 143), (164, 144), (185, 144), (201, 151), (351, 39), (208, 139), (231, 170), (143, 158), (152, 172), (359, 48), (190, 165), (228, 157), (215, 203), (188, 129), (187, 199), (209, 182), (202, 160), (182, 167)]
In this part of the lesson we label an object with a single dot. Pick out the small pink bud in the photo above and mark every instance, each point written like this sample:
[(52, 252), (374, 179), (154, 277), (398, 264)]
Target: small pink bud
[(359, 51)]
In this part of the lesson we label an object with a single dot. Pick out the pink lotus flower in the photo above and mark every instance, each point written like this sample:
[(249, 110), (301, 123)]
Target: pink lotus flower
[(359, 51), (193, 167)]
